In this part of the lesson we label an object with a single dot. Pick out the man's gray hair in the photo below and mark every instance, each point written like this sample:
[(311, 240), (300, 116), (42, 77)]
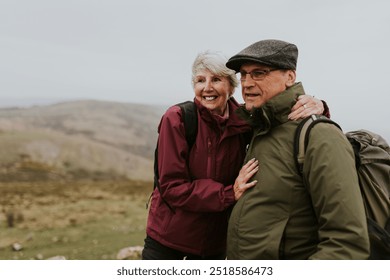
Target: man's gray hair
[(215, 63)]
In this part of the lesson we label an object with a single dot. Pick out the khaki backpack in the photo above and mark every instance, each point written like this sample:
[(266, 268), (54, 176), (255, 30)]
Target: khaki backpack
[(372, 157)]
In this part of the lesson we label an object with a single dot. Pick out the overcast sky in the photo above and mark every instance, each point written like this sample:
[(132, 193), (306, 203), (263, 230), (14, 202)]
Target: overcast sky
[(142, 51)]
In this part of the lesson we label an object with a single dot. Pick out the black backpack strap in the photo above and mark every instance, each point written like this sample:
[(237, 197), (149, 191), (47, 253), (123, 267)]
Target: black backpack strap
[(301, 138), (189, 114)]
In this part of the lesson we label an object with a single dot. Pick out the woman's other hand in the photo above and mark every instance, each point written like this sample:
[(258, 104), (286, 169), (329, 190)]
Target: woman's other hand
[(247, 171)]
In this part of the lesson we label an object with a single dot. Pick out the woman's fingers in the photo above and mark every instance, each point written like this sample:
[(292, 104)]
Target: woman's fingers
[(246, 173), (250, 165), (305, 106), (249, 185), (248, 169), (250, 172)]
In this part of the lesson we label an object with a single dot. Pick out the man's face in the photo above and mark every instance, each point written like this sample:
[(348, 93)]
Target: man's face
[(263, 84)]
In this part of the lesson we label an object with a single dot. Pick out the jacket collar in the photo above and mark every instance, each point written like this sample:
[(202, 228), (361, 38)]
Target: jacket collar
[(274, 112), (237, 124)]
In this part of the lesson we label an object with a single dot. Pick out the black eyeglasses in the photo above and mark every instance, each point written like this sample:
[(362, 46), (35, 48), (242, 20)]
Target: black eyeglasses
[(256, 75)]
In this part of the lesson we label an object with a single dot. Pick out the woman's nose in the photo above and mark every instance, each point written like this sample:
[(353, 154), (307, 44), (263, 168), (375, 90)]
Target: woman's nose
[(208, 86)]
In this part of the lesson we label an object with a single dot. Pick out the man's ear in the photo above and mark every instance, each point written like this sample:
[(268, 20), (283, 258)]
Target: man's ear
[(291, 76)]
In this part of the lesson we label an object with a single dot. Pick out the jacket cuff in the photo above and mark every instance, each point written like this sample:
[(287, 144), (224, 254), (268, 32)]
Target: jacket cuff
[(229, 196)]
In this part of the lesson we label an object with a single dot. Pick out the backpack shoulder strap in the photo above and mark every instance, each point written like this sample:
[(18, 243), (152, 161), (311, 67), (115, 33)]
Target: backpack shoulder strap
[(301, 138), (190, 120)]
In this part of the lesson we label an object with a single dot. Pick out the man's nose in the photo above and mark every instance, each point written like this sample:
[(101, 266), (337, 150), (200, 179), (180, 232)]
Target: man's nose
[(248, 81)]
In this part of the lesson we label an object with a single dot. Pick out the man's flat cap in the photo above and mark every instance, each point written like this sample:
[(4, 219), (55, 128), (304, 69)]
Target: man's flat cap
[(275, 53)]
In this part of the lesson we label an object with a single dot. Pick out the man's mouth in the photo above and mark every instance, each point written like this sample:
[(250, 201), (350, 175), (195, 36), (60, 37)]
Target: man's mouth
[(252, 94)]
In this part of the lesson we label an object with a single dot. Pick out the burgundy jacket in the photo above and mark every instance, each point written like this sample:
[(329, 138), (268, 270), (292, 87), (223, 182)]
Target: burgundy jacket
[(197, 184)]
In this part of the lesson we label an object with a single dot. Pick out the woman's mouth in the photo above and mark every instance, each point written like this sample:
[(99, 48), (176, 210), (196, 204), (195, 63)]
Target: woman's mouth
[(209, 98)]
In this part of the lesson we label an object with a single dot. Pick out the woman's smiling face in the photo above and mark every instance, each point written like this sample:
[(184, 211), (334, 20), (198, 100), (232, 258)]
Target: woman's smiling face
[(212, 91)]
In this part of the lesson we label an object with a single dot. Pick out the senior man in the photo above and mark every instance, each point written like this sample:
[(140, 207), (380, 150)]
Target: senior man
[(281, 218)]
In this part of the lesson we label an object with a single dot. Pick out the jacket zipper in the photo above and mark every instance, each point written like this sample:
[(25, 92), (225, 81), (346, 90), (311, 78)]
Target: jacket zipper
[(209, 157)]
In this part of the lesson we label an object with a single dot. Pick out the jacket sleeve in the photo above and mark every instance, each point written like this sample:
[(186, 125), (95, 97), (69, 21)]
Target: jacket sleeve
[(333, 185), (177, 188)]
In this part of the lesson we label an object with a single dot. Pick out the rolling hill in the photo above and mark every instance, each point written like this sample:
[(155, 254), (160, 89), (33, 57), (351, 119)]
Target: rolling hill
[(78, 139)]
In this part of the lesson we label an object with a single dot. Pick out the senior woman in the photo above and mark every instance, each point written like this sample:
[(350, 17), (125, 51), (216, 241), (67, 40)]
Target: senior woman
[(198, 183)]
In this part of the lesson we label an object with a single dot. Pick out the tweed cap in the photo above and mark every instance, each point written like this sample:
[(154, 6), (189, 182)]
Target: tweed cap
[(276, 53)]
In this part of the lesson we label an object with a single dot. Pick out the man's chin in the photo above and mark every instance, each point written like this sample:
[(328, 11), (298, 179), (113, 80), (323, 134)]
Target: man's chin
[(249, 106), (252, 105)]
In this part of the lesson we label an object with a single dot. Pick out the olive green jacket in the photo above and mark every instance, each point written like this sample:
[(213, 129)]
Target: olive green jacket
[(280, 218)]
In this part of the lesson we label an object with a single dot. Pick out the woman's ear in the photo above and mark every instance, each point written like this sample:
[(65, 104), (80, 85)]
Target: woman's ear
[(291, 76)]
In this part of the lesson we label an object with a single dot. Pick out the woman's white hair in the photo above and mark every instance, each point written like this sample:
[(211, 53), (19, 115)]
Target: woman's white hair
[(215, 63)]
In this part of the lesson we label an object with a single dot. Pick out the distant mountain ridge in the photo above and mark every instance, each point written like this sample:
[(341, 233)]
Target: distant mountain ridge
[(80, 138)]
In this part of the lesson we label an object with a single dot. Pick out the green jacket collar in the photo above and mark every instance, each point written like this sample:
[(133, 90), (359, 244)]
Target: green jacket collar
[(274, 112)]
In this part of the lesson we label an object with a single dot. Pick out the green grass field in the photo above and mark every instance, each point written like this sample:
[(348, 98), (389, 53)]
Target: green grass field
[(83, 220)]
